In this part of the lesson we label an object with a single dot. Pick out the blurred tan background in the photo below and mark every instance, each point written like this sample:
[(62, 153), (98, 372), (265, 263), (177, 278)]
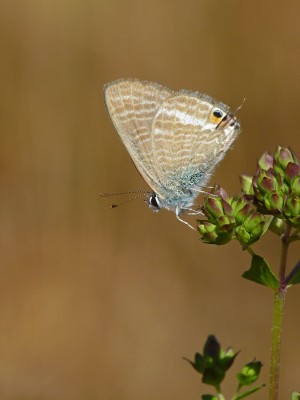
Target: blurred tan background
[(102, 304)]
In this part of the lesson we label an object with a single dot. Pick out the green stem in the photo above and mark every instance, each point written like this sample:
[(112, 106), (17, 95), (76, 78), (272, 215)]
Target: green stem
[(250, 251), (278, 314), (284, 250), (276, 343), (219, 393)]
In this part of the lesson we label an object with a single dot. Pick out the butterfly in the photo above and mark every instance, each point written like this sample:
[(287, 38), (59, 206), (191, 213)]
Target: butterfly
[(175, 138)]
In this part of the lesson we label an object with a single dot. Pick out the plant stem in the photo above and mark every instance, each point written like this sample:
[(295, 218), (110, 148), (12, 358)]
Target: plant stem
[(278, 313), (219, 393), (283, 257), (276, 343), (250, 251)]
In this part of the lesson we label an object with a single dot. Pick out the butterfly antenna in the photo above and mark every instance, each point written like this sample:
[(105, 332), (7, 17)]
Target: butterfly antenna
[(239, 107), (141, 194), (127, 201), (232, 115), (121, 193)]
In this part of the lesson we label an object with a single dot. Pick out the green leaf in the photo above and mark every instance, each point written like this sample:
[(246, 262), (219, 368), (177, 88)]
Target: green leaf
[(293, 277), (261, 273), (248, 392), (209, 397), (295, 396)]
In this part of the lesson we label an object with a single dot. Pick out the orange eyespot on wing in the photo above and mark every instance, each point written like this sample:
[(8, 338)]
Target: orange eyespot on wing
[(216, 116)]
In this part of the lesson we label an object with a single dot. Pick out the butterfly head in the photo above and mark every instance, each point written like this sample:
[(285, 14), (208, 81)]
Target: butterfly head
[(153, 202)]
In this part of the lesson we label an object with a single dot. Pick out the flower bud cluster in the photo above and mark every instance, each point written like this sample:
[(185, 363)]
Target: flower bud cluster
[(275, 187), (230, 218)]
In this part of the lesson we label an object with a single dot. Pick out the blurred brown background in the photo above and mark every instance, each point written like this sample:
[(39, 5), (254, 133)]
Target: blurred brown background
[(102, 304)]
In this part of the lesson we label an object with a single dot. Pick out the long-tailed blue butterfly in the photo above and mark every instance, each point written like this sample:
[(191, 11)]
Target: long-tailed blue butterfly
[(175, 138)]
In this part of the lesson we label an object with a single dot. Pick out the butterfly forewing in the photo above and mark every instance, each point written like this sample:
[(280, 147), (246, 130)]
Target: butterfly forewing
[(132, 105)]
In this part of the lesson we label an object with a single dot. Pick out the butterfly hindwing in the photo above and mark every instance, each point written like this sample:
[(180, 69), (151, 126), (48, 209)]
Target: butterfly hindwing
[(187, 144)]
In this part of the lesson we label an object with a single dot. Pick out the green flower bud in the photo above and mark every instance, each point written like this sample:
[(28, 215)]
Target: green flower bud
[(292, 206), (257, 231), (257, 194), (249, 373), (219, 191), (210, 237), (225, 223), (213, 234), (242, 210), (218, 238), (253, 221), (273, 202), (251, 229), (266, 181), (267, 185), (247, 184), (212, 348), (214, 207), (283, 156), (266, 161), (227, 358), (214, 362), (277, 226), (286, 163), (292, 170), (242, 235), (206, 226), (208, 231), (218, 229), (226, 206), (295, 185)]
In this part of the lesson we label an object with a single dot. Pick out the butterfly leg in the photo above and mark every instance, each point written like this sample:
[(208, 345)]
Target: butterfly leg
[(192, 211), (204, 192), (177, 212)]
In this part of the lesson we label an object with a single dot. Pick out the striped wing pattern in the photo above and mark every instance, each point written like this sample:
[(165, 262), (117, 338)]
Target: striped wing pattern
[(132, 105), (169, 135), (185, 145)]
